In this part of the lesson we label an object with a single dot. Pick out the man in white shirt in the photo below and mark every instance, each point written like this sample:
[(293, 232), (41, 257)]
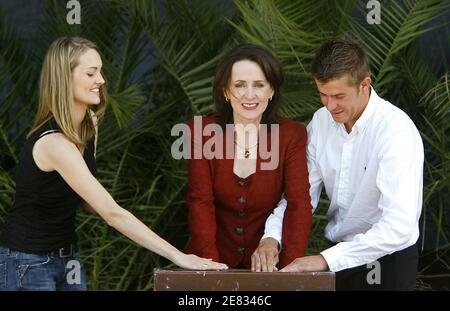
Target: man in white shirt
[(369, 156)]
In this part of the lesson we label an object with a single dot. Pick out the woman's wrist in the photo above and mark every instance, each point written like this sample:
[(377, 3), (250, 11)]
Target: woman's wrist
[(173, 255)]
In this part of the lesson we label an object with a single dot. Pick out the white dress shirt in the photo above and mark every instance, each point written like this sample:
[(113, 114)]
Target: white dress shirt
[(373, 178)]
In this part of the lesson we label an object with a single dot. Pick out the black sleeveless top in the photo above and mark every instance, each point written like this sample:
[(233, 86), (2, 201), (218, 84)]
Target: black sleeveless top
[(42, 218)]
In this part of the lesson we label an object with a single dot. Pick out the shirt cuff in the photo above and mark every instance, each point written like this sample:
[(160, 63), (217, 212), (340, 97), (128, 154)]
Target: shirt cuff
[(339, 257), (334, 258)]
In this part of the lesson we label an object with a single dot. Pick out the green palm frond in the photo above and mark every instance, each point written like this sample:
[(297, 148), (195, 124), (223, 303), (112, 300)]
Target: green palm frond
[(436, 103), (301, 104), (18, 89), (186, 58), (401, 24), (125, 104), (435, 110), (6, 193), (278, 26), (416, 76), (419, 74)]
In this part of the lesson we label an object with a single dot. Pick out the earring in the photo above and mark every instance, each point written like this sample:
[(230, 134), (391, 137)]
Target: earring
[(270, 98), (226, 99)]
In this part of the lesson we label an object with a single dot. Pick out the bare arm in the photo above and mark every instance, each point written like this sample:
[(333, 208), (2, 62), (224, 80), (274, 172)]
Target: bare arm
[(55, 152)]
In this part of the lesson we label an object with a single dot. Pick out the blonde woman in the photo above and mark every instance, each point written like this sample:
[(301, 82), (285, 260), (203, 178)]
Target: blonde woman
[(56, 175)]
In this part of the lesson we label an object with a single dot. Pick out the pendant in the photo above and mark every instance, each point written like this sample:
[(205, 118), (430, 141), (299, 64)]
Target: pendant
[(246, 154)]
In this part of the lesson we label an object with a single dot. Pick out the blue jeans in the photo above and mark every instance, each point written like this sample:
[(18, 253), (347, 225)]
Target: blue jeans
[(23, 271)]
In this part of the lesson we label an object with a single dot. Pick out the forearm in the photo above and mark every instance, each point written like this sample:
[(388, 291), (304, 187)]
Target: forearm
[(382, 239), (298, 215), (203, 239), (200, 204), (126, 223), (274, 222), (296, 228), (202, 227)]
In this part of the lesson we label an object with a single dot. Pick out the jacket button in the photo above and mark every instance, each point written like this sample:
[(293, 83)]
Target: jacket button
[(242, 183), (241, 250), (241, 214), (241, 200), (239, 231)]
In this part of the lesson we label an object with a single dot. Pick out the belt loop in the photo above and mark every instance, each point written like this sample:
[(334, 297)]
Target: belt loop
[(69, 254), (7, 251), (64, 252)]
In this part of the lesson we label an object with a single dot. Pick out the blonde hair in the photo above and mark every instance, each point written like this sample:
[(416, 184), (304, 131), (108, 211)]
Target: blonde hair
[(55, 91)]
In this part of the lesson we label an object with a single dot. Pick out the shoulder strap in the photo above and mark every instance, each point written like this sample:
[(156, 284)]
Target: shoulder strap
[(49, 132)]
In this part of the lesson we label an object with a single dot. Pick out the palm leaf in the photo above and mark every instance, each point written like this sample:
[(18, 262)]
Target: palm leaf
[(401, 24)]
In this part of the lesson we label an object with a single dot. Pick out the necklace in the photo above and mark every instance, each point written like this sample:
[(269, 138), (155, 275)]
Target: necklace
[(247, 149)]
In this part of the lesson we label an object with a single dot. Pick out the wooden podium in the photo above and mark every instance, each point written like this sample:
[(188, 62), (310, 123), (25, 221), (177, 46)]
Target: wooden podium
[(242, 280)]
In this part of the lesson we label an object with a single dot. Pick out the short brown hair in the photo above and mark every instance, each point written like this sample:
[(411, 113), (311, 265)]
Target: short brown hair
[(338, 57), (271, 68)]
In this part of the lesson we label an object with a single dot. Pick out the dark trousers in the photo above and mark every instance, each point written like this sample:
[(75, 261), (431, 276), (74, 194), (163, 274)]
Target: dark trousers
[(396, 271)]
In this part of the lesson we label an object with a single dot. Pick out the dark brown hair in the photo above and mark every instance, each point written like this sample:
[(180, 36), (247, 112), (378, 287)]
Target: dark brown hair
[(338, 57), (271, 68)]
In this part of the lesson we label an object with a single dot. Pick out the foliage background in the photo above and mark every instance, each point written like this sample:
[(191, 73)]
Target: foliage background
[(159, 58)]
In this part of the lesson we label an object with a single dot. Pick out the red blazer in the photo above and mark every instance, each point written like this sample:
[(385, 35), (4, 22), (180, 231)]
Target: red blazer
[(227, 214)]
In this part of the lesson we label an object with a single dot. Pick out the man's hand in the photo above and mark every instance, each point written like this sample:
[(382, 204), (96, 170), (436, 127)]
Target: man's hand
[(265, 257), (307, 264)]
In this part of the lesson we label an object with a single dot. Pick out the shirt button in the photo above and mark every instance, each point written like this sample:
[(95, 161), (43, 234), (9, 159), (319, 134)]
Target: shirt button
[(241, 200), (241, 250), (242, 183), (239, 231), (241, 214)]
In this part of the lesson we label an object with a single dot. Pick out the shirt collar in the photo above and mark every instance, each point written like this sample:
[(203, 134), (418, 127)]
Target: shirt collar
[(368, 112), (363, 120)]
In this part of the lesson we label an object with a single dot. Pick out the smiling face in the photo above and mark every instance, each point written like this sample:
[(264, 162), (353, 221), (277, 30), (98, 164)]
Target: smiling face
[(248, 92), (343, 100), (87, 79)]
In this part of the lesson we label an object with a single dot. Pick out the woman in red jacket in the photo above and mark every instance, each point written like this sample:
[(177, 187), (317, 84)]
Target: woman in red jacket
[(233, 190)]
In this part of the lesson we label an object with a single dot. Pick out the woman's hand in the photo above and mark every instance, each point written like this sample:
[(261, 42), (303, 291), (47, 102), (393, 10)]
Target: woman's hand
[(265, 256), (194, 262)]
